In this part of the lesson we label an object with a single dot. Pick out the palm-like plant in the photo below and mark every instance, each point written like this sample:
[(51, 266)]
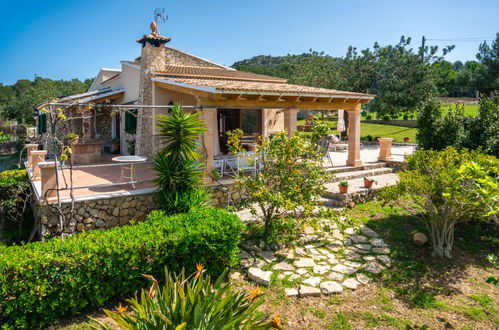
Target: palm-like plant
[(180, 130), (178, 167), (192, 302)]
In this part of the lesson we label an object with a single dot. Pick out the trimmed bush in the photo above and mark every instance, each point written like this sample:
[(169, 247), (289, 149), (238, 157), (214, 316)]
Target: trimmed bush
[(45, 280)]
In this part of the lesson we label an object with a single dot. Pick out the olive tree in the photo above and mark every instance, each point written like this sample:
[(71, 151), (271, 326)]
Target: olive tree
[(444, 191), (289, 181)]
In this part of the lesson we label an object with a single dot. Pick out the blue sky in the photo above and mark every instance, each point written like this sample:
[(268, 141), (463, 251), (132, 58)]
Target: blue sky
[(74, 38)]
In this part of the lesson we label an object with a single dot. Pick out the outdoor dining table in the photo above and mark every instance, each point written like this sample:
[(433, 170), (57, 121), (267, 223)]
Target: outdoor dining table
[(129, 164)]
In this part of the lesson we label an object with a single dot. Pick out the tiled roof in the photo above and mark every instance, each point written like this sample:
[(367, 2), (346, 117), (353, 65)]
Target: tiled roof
[(249, 87), (214, 73), (153, 37), (84, 97)]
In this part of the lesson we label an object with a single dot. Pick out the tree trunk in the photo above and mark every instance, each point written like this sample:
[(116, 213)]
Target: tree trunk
[(442, 236)]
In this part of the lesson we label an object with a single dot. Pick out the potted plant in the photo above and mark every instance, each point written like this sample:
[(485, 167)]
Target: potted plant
[(115, 146), (368, 182), (343, 187)]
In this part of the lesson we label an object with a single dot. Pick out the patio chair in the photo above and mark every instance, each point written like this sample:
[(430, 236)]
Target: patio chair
[(247, 162), (219, 166), (323, 147), (336, 143)]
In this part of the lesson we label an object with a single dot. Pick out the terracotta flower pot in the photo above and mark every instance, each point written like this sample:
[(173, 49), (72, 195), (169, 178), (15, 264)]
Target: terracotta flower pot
[(368, 183), (343, 189)]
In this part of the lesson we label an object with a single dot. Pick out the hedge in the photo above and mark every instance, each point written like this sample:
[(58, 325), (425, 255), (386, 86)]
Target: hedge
[(44, 280)]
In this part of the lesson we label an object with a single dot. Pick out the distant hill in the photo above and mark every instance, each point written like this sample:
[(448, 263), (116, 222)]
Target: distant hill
[(312, 69)]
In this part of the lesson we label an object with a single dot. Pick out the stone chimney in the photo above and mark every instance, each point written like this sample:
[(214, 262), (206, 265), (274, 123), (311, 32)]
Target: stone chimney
[(152, 58)]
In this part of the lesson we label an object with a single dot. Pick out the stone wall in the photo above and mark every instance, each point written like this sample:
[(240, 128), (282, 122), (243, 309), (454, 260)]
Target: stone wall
[(116, 211), (97, 214), (220, 194), (397, 166), (155, 59), (402, 123)]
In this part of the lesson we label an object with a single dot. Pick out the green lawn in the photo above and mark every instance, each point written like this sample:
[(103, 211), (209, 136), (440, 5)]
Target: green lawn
[(398, 133), (469, 110)]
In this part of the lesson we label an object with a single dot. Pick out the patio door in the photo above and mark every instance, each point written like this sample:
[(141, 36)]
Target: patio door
[(228, 120), (250, 121)]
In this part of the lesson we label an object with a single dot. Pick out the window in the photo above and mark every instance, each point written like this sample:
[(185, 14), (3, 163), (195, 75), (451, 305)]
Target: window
[(250, 121), (131, 121), (42, 123)]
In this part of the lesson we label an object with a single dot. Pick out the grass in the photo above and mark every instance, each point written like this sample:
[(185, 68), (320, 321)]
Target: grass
[(398, 133), (417, 292)]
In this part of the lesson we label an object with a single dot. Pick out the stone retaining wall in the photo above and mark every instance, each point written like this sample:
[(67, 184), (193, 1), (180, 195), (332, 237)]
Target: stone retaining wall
[(220, 194), (397, 166), (115, 211), (97, 214), (402, 123)]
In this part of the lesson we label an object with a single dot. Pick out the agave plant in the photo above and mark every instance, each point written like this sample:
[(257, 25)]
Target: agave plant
[(192, 302), (179, 171)]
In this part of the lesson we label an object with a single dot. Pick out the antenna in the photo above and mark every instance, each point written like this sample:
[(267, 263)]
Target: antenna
[(159, 16)]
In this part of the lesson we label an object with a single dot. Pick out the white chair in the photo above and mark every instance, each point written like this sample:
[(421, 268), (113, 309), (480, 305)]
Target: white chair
[(247, 162), (219, 166), (230, 165)]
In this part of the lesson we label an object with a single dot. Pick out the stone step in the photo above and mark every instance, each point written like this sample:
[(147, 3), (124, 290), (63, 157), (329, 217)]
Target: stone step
[(370, 173), (342, 169), (357, 193)]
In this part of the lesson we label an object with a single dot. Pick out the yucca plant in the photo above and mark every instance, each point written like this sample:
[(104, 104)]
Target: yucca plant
[(192, 302), (179, 171)]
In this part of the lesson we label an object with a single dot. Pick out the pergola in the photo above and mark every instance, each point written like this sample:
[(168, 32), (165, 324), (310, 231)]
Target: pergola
[(211, 95)]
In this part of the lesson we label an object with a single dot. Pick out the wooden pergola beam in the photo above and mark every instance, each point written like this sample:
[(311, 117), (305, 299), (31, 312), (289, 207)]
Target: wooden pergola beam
[(277, 102)]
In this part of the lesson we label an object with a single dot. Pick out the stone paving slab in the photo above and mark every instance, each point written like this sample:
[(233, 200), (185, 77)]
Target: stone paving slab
[(328, 261)]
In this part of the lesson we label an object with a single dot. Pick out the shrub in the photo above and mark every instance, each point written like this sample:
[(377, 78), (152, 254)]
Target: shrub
[(444, 189), (369, 117), (438, 129), (179, 171), (192, 302), (44, 280), (15, 194)]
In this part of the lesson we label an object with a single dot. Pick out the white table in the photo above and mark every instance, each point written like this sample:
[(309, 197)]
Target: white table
[(129, 164)]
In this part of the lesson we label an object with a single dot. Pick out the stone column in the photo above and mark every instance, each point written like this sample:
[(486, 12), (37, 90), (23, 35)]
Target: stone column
[(30, 147), (37, 157), (47, 170), (265, 124), (354, 138), (385, 149), (210, 120), (290, 121)]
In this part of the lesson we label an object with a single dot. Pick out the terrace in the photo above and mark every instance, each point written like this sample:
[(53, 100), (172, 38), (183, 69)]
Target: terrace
[(103, 179)]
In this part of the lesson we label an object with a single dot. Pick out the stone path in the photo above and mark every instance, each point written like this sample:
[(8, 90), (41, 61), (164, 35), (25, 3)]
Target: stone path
[(328, 261)]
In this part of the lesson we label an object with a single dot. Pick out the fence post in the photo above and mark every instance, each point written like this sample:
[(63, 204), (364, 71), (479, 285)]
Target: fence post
[(37, 157), (31, 147), (47, 174)]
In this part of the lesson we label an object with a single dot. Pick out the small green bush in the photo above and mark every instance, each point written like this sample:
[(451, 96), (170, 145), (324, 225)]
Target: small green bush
[(14, 195), (45, 280), (191, 302)]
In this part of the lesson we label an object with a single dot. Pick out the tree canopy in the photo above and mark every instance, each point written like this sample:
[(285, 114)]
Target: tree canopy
[(18, 101), (400, 76)]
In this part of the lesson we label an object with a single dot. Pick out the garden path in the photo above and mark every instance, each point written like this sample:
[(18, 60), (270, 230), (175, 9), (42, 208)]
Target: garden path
[(327, 261)]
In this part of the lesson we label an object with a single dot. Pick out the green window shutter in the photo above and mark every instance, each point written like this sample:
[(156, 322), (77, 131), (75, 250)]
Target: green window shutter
[(131, 121), (42, 123)]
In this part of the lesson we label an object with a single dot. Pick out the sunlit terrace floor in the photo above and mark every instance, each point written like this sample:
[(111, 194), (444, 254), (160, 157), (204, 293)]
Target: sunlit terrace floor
[(106, 181)]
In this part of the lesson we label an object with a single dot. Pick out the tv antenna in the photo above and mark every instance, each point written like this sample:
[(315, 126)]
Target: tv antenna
[(159, 16)]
